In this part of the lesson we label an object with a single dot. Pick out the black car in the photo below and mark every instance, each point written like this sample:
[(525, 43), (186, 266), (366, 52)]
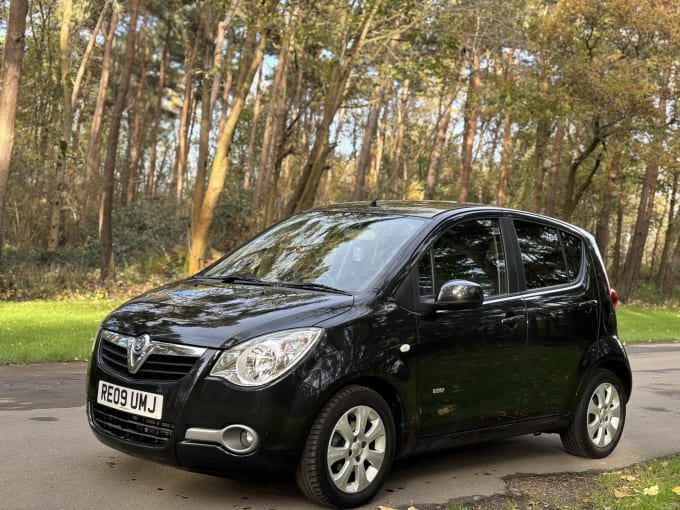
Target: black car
[(346, 336)]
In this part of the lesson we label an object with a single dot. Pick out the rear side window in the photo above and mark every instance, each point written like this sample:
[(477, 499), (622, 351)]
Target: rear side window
[(549, 256), (473, 251)]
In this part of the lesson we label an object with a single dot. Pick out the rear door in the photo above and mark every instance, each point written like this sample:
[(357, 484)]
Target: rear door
[(562, 311)]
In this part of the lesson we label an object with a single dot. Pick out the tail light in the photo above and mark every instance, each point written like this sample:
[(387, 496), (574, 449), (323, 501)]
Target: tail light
[(614, 297)]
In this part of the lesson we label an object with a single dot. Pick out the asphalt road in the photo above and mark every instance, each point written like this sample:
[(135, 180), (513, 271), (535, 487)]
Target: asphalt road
[(50, 459)]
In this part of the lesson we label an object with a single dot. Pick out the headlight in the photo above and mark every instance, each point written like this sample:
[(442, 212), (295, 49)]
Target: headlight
[(265, 358)]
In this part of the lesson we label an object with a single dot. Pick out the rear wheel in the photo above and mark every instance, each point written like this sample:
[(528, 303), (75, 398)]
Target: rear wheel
[(349, 449), (598, 421)]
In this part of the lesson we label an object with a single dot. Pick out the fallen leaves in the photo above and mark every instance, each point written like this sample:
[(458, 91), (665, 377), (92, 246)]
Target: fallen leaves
[(676, 490), (651, 491), (619, 494)]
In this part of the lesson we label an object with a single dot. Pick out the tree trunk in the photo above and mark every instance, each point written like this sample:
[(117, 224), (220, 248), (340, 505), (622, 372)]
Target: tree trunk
[(250, 150), (602, 230), (633, 263), (444, 117), (9, 93), (274, 127), (505, 159), (666, 269), (620, 211), (136, 135), (248, 66), (305, 193), (59, 191), (553, 174), (542, 137), (184, 119), (398, 167), (92, 158), (570, 199), (208, 101), (471, 114), (107, 271), (370, 130), (673, 270), (156, 123)]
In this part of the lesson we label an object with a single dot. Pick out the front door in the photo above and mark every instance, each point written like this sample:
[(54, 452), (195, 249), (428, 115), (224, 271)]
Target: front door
[(470, 363)]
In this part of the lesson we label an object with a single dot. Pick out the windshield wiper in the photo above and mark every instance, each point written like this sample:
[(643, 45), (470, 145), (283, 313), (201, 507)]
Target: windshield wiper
[(314, 286), (239, 278)]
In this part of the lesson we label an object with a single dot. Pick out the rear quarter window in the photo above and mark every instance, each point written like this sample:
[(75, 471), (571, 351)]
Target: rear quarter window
[(549, 256)]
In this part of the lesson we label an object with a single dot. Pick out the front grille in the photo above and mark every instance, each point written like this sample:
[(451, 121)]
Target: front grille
[(130, 427), (157, 367)]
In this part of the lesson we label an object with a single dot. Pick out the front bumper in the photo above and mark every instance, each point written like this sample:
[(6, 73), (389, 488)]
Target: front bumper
[(280, 414)]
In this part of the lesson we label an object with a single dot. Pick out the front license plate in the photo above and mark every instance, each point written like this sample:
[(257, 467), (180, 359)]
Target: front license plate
[(141, 403)]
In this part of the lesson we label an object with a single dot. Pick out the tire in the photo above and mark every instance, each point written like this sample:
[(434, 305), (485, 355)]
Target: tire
[(349, 449), (599, 418)]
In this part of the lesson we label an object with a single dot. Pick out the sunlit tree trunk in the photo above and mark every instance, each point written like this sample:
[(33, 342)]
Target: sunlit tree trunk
[(9, 93), (248, 66), (58, 191), (370, 130), (434, 163), (157, 113), (93, 155), (208, 102), (273, 134), (505, 159), (184, 119), (250, 149), (471, 114), (107, 271), (136, 135), (305, 193), (399, 170)]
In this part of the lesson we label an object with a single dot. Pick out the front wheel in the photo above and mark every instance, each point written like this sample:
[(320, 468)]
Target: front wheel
[(598, 422), (349, 449)]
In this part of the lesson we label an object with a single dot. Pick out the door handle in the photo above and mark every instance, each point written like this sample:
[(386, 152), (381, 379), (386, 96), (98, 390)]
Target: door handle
[(588, 304), (512, 321)]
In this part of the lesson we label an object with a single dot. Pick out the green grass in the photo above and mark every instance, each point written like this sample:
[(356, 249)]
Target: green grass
[(639, 324), (39, 331), (653, 485)]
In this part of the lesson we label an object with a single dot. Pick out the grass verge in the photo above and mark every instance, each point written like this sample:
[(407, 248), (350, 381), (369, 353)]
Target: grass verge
[(652, 485), (640, 324), (41, 331)]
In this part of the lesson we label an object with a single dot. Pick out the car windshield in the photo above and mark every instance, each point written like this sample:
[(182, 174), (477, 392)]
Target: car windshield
[(342, 250)]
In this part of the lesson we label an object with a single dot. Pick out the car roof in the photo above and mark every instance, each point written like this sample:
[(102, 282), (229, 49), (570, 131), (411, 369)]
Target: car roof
[(434, 208), (423, 208)]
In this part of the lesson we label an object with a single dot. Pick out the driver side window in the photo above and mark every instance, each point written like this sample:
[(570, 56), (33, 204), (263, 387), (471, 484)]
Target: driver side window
[(473, 251)]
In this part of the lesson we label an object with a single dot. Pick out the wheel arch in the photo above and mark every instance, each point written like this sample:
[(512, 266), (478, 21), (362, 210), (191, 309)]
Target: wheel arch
[(391, 395), (622, 371)]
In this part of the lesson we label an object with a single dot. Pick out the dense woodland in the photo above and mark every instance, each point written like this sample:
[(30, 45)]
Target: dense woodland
[(157, 134)]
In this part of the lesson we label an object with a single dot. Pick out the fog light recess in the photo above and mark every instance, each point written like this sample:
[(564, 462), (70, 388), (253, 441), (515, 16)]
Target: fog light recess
[(239, 439)]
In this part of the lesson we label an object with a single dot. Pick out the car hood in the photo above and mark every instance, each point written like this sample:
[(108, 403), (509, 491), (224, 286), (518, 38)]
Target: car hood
[(208, 313)]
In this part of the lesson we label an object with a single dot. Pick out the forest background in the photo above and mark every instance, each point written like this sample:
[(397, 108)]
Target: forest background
[(140, 139)]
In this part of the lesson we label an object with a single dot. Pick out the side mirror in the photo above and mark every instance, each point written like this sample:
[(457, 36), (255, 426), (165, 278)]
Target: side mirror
[(456, 294)]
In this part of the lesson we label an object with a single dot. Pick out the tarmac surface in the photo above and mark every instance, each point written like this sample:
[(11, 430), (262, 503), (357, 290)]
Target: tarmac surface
[(51, 460)]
